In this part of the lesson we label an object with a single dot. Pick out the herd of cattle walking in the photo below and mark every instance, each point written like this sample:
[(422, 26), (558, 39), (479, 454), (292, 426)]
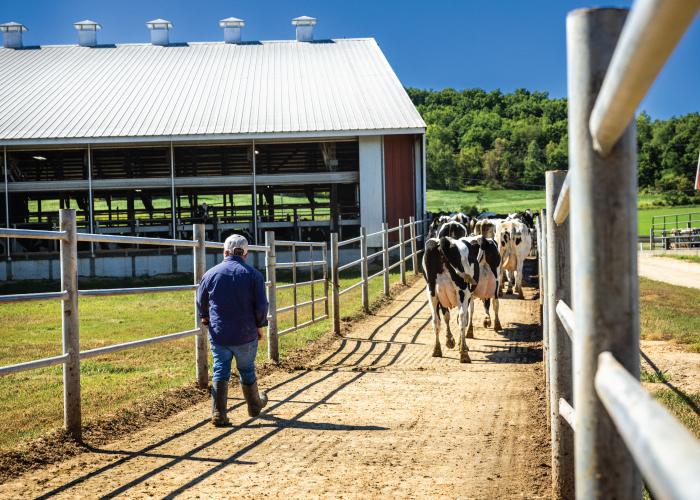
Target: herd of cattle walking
[(473, 258)]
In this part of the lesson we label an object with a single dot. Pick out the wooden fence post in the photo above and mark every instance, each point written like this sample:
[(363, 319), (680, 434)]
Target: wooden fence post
[(605, 284), (414, 245), (70, 324), (385, 256), (271, 275), (559, 349), (402, 251), (200, 340), (335, 283), (364, 269)]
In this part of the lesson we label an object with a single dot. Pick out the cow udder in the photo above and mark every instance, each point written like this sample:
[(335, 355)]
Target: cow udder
[(486, 288), (446, 291)]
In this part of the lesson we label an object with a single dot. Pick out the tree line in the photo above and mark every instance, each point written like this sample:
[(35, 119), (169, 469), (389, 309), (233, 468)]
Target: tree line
[(510, 139)]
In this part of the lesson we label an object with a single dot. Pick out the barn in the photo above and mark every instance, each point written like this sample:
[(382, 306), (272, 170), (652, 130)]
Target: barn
[(304, 137)]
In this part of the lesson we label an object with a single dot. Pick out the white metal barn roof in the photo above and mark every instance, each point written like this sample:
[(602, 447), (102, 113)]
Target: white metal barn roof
[(58, 94)]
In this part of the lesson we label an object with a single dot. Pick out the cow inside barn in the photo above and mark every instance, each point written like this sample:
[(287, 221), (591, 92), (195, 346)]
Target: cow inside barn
[(456, 271), (514, 242)]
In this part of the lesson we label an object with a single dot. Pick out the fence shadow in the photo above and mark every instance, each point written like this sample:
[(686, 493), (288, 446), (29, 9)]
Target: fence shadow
[(686, 399)]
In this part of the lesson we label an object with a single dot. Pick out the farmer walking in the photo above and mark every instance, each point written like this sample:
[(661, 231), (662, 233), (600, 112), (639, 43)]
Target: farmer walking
[(231, 301)]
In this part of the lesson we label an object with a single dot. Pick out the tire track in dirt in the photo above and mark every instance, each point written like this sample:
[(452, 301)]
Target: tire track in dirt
[(377, 415)]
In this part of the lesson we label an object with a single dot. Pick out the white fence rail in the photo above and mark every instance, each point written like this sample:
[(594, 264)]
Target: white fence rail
[(322, 269), (605, 428)]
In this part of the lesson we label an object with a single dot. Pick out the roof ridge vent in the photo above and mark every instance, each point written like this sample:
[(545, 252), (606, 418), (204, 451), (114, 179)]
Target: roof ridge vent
[(12, 34), (87, 32), (232, 29), (160, 31), (305, 28)]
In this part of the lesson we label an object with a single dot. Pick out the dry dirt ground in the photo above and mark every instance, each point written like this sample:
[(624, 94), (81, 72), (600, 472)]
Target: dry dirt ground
[(673, 271), (681, 367), (374, 416)]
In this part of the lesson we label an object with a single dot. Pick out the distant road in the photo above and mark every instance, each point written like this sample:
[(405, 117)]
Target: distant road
[(675, 272)]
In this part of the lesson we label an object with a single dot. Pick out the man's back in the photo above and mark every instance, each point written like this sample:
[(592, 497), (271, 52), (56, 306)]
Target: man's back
[(232, 296)]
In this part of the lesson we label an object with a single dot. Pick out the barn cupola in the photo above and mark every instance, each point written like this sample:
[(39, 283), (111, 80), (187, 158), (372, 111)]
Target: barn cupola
[(87, 32), (160, 31), (12, 35), (305, 28), (232, 29)]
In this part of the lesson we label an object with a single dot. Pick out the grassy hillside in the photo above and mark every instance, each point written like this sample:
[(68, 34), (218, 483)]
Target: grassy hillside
[(511, 200)]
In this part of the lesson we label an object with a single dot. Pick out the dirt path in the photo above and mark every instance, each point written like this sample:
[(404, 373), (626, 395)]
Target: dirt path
[(375, 416), (673, 271)]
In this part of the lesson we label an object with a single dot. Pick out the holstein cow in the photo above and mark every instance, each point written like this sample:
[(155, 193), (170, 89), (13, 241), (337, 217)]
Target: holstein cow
[(453, 229), (436, 224), (457, 271), (514, 242)]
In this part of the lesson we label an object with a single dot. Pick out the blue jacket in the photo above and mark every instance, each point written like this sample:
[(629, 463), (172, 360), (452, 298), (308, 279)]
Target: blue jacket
[(232, 295)]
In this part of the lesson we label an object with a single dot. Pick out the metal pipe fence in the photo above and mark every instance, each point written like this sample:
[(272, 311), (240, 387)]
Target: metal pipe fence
[(605, 428)]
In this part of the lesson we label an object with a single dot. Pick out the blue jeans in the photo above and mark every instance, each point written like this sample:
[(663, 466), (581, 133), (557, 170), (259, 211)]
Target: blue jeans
[(245, 361)]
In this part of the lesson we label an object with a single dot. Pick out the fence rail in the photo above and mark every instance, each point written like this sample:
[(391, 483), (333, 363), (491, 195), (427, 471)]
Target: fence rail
[(318, 283), (605, 427)]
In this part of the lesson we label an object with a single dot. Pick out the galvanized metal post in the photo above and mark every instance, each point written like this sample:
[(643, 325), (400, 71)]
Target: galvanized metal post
[(335, 283), (402, 252), (560, 369), (200, 340), (414, 245), (325, 277), (271, 275), (605, 295), (70, 323), (385, 256), (364, 268)]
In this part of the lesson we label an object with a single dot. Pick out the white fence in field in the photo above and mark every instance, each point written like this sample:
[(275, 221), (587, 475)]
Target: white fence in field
[(605, 428), (323, 275)]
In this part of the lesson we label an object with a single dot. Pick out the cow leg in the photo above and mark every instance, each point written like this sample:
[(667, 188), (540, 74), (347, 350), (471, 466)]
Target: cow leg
[(496, 322), (463, 319), (470, 324), (450, 340), (487, 318), (510, 276), (519, 280), (435, 311)]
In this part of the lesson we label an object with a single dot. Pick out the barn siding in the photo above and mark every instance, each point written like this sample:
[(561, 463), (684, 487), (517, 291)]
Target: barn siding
[(399, 178)]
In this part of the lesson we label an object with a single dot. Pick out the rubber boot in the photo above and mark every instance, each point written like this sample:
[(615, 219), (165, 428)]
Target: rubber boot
[(219, 400), (256, 400)]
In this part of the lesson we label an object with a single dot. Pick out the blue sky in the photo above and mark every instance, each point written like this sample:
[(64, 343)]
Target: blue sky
[(431, 44)]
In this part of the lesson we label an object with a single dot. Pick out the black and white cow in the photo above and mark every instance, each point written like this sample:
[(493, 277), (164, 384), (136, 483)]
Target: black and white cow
[(456, 272), (436, 224), (453, 229)]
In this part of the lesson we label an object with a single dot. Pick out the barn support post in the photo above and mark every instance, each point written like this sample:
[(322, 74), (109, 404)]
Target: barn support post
[(200, 340), (364, 269), (271, 275), (385, 256), (402, 251), (560, 369), (335, 284), (605, 289), (414, 245), (70, 325)]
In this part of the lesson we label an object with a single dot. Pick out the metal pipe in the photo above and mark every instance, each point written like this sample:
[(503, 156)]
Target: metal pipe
[(667, 454), (414, 253), (172, 191), (302, 325), (335, 283), (32, 365), (105, 292), (350, 241), (605, 297), (652, 31), (350, 264), (136, 240), (561, 211), (91, 200), (566, 316), (291, 265), (271, 277), (311, 276), (364, 270), (294, 287), (560, 370), (255, 197), (70, 324), (284, 243), (7, 200), (402, 252), (351, 287), (300, 283), (30, 297), (385, 257), (545, 311), (100, 351), (33, 234), (201, 356), (567, 412)]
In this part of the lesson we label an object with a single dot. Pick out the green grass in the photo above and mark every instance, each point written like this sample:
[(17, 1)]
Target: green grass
[(681, 408), (31, 401), (512, 200), (686, 258), (669, 312), (653, 377)]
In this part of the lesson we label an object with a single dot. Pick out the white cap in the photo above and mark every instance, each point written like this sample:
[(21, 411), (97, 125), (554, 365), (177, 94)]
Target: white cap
[(236, 241)]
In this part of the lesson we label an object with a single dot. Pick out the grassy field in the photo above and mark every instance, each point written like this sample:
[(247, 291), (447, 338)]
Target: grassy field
[(686, 258), (31, 402), (512, 200)]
